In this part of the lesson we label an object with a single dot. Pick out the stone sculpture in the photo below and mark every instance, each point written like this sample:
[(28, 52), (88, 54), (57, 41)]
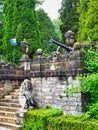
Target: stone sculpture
[(25, 99), (26, 94)]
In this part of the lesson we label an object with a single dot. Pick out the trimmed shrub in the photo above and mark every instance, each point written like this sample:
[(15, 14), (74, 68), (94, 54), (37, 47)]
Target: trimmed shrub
[(71, 123), (37, 119), (53, 119)]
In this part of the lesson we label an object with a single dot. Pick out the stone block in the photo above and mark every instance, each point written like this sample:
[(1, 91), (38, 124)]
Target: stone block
[(71, 103), (48, 97), (62, 73), (43, 67), (79, 109), (35, 67), (78, 99), (77, 95), (68, 73), (74, 72), (73, 99), (72, 108), (79, 71), (72, 112), (79, 104)]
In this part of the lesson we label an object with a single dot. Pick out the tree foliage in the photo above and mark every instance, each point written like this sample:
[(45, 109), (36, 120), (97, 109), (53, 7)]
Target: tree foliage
[(20, 22), (89, 81), (1, 19), (46, 29), (69, 16), (88, 20), (57, 22), (91, 60)]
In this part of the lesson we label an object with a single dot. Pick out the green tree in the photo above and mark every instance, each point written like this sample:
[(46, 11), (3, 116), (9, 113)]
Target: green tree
[(1, 19), (46, 28), (57, 22), (20, 22), (88, 23), (69, 16)]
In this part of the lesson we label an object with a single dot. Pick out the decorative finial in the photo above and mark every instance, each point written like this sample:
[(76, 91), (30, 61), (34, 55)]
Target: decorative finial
[(24, 46)]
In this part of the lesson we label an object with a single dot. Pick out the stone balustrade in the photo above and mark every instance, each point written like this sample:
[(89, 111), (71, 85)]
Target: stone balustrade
[(64, 65)]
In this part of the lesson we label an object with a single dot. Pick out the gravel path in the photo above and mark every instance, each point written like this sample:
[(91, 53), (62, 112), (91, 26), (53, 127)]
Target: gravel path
[(2, 128)]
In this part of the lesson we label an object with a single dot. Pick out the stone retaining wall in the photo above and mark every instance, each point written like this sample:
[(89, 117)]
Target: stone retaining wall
[(50, 91), (50, 77), (10, 77)]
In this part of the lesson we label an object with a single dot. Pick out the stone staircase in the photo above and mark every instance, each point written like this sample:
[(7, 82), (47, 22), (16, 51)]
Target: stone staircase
[(9, 105)]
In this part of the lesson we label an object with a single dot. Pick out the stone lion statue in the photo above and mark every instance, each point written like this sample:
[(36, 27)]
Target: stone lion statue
[(26, 93), (25, 99)]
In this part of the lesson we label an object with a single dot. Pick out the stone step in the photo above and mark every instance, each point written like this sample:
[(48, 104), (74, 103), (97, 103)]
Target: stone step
[(1, 89), (1, 96), (5, 92), (17, 90), (8, 119), (11, 97), (10, 100), (11, 126), (8, 114), (15, 96), (10, 109), (14, 93), (8, 97), (8, 104)]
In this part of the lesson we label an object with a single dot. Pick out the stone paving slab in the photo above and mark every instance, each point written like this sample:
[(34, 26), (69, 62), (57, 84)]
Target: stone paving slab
[(2, 128)]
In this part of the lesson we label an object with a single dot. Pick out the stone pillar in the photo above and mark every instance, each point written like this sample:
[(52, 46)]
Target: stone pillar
[(25, 60)]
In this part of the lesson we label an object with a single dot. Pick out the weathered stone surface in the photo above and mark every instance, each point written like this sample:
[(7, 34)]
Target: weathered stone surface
[(51, 91), (49, 78)]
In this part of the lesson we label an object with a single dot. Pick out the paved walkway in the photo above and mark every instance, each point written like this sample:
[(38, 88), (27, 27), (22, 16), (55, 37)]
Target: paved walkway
[(2, 128)]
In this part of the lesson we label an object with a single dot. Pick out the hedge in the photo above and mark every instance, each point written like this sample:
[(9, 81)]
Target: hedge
[(37, 119), (53, 119), (71, 123)]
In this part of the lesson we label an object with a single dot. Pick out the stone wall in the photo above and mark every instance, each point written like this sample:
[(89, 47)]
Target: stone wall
[(10, 77), (50, 91), (7, 85), (12, 72), (51, 76)]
